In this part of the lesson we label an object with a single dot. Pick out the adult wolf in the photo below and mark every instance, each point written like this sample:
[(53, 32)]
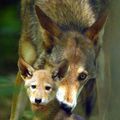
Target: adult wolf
[(63, 38)]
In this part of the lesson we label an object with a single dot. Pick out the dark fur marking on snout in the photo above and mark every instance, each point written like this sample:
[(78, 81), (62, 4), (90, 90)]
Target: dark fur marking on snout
[(66, 108)]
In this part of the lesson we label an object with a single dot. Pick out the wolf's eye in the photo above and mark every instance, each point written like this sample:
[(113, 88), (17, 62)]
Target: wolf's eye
[(82, 76), (48, 88), (33, 86)]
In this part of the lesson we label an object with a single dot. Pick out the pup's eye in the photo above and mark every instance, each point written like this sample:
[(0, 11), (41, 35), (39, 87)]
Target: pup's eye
[(48, 88), (33, 86), (82, 76)]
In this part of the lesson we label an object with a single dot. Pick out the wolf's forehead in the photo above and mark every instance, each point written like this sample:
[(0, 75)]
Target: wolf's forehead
[(74, 54)]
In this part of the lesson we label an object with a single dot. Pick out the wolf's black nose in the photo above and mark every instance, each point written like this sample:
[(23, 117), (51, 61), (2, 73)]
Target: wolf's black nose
[(66, 108), (38, 100)]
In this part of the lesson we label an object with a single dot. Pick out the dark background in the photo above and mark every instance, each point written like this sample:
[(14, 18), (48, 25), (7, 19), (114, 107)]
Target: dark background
[(9, 36)]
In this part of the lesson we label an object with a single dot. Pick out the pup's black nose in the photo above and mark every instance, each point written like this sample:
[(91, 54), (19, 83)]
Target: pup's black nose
[(38, 100), (66, 108)]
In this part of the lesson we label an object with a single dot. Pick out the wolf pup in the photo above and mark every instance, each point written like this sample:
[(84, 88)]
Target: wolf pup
[(40, 88), (38, 83)]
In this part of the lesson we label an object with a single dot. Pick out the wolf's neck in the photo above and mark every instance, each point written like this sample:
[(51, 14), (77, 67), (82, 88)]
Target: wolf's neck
[(70, 13)]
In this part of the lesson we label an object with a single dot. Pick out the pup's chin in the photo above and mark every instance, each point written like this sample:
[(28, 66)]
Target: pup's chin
[(39, 107)]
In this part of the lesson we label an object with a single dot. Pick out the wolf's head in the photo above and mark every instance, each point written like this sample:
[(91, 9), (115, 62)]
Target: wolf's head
[(73, 54)]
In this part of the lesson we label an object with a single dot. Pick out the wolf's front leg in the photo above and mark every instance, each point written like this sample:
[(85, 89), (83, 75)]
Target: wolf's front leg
[(19, 99)]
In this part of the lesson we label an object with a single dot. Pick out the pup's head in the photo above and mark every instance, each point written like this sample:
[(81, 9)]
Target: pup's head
[(38, 83), (75, 53)]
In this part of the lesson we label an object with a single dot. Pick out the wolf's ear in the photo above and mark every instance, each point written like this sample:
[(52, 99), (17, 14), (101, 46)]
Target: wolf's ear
[(60, 70), (93, 31), (25, 69), (46, 22)]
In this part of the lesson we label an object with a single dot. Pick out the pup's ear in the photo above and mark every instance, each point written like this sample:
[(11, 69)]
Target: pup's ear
[(25, 69), (93, 31), (48, 24)]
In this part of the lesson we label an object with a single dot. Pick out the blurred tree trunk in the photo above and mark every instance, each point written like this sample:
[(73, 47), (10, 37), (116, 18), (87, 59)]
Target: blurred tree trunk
[(112, 40)]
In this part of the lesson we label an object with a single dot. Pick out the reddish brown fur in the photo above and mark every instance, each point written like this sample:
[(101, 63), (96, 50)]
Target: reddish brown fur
[(49, 33)]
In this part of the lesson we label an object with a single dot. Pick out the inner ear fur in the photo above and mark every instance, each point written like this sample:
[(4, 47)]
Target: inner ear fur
[(93, 31), (62, 68), (25, 69), (47, 23), (50, 28), (49, 41)]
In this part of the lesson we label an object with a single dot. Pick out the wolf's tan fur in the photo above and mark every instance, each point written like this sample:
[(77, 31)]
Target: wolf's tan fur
[(61, 36)]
